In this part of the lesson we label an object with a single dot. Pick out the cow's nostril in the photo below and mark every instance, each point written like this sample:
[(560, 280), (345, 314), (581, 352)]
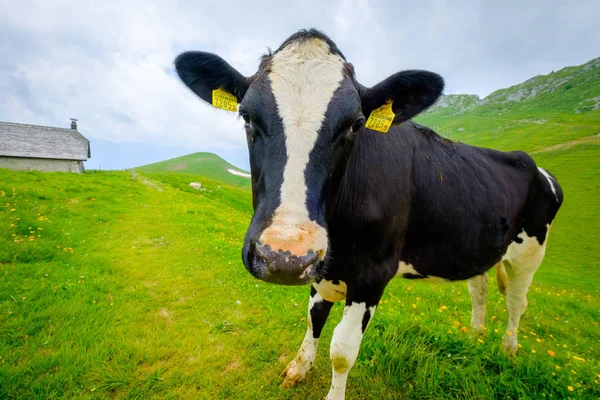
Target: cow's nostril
[(264, 252), (308, 259), (286, 263)]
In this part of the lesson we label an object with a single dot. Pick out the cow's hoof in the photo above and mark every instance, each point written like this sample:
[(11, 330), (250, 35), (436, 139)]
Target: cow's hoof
[(294, 373), (478, 330), (509, 345)]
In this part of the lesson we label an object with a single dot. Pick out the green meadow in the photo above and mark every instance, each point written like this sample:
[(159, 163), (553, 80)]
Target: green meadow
[(122, 287), (114, 287)]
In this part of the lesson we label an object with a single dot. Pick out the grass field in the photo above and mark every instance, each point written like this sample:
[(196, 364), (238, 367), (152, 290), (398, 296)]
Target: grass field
[(112, 287)]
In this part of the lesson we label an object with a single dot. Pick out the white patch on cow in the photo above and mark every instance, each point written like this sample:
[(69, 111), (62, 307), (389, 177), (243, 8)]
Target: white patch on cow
[(297, 369), (549, 178), (238, 173), (404, 268), (528, 254), (478, 287), (345, 345), (330, 291), (304, 76), (520, 261)]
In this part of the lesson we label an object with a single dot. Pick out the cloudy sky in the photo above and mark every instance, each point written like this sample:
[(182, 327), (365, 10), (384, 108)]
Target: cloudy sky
[(109, 63)]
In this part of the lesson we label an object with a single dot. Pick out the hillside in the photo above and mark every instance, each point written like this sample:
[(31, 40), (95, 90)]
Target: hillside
[(206, 165), (543, 111)]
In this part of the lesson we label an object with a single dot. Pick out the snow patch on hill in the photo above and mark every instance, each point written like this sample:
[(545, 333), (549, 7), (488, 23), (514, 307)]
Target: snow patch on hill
[(238, 173)]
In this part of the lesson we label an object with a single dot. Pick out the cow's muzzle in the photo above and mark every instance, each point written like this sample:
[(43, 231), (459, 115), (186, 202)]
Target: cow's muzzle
[(282, 268)]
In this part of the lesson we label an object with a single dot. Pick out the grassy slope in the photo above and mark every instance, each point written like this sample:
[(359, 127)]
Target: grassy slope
[(206, 165), (145, 304), (552, 109)]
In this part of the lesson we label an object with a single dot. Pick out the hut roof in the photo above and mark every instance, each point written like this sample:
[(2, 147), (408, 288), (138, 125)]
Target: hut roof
[(21, 140)]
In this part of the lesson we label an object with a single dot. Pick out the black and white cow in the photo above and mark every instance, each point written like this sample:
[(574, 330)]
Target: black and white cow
[(346, 209)]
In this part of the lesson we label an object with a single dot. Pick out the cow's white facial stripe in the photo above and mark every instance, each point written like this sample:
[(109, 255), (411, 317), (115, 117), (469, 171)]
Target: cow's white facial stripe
[(304, 76), (549, 178)]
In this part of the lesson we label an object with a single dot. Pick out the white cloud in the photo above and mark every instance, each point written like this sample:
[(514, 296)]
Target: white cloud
[(110, 63)]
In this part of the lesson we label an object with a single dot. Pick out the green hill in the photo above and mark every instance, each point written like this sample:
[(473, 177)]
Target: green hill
[(543, 111), (206, 165)]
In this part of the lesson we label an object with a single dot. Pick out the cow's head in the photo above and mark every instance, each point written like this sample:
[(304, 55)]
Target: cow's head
[(302, 111)]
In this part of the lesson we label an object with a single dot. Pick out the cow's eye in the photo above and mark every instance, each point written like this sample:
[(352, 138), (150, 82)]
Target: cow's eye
[(356, 125), (245, 116)]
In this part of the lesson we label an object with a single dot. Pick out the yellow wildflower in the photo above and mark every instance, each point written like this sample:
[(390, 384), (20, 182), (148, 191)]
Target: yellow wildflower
[(570, 388)]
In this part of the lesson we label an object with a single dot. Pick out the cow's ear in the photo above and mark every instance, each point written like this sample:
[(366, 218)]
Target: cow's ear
[(204, 72), (410, 92)]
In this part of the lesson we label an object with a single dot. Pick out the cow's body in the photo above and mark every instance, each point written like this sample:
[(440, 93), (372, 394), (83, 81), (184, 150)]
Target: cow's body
[(348, 209), (449, 210)]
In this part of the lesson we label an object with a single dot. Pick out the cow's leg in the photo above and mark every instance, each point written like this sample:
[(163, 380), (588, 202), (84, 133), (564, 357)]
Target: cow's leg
[(478, 287), (348, 335), (318, 311), (519, 264), (518, 281)]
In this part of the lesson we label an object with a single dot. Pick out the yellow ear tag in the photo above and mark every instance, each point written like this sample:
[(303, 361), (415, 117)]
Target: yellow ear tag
[(381, 119), (224, 100)]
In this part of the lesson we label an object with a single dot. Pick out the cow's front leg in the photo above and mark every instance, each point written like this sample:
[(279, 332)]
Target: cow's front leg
[(348, 335), (297, 369)]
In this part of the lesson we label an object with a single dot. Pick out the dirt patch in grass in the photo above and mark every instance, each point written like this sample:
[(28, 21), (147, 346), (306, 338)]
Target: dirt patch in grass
[(571, 143)]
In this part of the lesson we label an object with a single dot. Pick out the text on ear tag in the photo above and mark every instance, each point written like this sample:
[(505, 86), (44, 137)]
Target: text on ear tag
[(224, 100), (381, 118)]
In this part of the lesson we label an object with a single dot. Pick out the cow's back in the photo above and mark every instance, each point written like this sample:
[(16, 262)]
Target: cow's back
[(466, 206)]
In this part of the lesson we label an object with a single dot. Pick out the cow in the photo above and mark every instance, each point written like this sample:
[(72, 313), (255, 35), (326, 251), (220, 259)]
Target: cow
[(346, 208)]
